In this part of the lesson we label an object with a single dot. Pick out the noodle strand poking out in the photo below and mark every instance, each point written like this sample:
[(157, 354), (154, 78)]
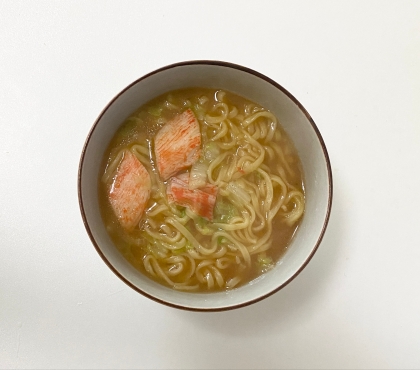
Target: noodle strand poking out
[(247, 157)]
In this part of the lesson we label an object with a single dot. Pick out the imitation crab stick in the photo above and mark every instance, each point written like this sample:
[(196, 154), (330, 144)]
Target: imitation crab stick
[(200, 201), (130, 191), (178, 144)]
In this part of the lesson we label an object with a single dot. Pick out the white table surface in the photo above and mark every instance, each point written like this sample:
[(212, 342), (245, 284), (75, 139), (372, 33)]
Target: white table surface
[(355, 66)]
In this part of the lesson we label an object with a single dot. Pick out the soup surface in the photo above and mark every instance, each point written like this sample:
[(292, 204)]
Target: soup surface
[(201, 190)]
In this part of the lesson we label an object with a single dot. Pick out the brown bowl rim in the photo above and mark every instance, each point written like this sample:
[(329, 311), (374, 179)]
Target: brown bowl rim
[(275, 84)]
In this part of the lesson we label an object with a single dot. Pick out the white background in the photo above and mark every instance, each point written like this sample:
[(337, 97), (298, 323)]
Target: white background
[(355, 66)]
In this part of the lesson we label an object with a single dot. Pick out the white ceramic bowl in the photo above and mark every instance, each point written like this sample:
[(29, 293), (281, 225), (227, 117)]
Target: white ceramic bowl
[(258, 88)]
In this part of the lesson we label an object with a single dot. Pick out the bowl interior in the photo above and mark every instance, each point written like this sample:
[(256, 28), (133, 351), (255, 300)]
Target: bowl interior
[(293, 118)]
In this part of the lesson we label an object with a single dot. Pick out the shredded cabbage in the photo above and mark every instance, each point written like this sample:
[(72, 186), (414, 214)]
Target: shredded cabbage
[(198, 175), (264, 262), (224, 211), (198, 111), (238, 192), (155, 111), (211, 151)]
